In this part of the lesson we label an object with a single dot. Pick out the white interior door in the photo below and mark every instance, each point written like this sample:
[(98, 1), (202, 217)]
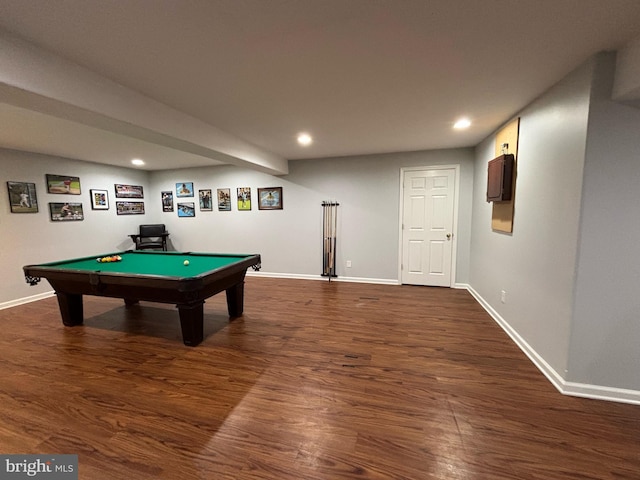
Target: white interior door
[(427, 226)]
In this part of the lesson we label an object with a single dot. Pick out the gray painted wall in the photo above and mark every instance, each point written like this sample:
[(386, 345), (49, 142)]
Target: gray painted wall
[(368, 189), (570, 268), (29, 238), (290, 240), (536, 264), (605, 339)]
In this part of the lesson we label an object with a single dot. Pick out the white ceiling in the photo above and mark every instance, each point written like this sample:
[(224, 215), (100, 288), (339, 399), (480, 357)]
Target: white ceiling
[(361, 76)]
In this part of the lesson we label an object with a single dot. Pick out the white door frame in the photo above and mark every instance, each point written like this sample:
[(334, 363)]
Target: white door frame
[(456, 194)]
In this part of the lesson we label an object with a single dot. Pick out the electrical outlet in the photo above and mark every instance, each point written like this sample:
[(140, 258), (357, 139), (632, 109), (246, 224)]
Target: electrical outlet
[(503, 296), (348, 263)]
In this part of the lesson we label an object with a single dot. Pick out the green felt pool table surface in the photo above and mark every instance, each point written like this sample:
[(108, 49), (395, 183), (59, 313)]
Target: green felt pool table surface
[(170, 264)]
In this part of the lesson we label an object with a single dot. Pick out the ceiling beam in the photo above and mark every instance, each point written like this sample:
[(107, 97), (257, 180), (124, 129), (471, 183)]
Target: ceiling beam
[(35, 79), (626, 87)]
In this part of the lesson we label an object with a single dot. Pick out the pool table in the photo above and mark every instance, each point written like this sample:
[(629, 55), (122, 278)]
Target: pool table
[(151, 276)]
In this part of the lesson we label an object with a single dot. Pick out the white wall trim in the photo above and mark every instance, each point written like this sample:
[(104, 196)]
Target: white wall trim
[(22, 301), (294, 276), (597, 392), (537, 360), (377, 281), (301, 276)]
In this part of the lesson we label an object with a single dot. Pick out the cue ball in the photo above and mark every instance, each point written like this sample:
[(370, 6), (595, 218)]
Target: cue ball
[(186, 262)]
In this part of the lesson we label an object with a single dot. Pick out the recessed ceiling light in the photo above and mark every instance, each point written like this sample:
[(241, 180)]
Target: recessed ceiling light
[(137, 161), (462, 123), (304, 139)]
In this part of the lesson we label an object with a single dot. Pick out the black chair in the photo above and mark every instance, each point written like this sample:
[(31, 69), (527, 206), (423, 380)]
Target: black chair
[(151, 237)]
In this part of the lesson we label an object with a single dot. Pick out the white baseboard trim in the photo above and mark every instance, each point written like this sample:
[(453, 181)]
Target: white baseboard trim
[(597, 392), (377, 281), (302, 276), (537, 360), (293, 276), (22, 301)]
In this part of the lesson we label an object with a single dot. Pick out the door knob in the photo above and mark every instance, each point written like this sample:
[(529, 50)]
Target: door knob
[(449, 236)]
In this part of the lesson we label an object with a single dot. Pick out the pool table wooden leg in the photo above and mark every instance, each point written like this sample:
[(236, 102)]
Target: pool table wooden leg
[(70, 308), (191, 322), (235, 299)]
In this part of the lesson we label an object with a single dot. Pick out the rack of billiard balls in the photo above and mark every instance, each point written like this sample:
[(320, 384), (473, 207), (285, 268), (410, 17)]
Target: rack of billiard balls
[(109, 259)]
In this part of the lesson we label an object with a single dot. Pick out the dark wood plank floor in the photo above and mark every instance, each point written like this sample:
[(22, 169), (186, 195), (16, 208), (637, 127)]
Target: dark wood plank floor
[(318, 380)]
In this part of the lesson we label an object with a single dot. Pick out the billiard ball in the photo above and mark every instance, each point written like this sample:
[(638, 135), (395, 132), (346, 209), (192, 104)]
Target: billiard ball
[(186, 262)]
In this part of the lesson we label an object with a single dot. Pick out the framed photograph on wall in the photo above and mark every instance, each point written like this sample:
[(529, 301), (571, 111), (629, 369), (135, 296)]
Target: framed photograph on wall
[(184, 189), (270, 198), (99, 199), (63, 184), (65, 211), (244, 198), (129, 191), (206, 202), (129, 208), (186, 209), (167, 201), (22, 197), (224, 199)]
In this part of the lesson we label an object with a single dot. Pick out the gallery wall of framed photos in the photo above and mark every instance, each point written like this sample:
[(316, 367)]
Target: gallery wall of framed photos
[(56, 208), (268, 198), (23, 198), (52, 208)]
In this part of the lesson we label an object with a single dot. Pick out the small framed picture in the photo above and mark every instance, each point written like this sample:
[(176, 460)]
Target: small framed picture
[(224, 199), (63, 184), (206, 203), (270, 198), (99, 199), (22, 197), (184, 189), (167, 201), (186, 209), (65, 211), (129, 208), (244, 198), (129, 191)]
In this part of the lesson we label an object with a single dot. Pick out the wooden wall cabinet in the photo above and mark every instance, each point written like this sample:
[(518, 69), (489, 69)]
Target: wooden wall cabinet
[(500, 178)]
